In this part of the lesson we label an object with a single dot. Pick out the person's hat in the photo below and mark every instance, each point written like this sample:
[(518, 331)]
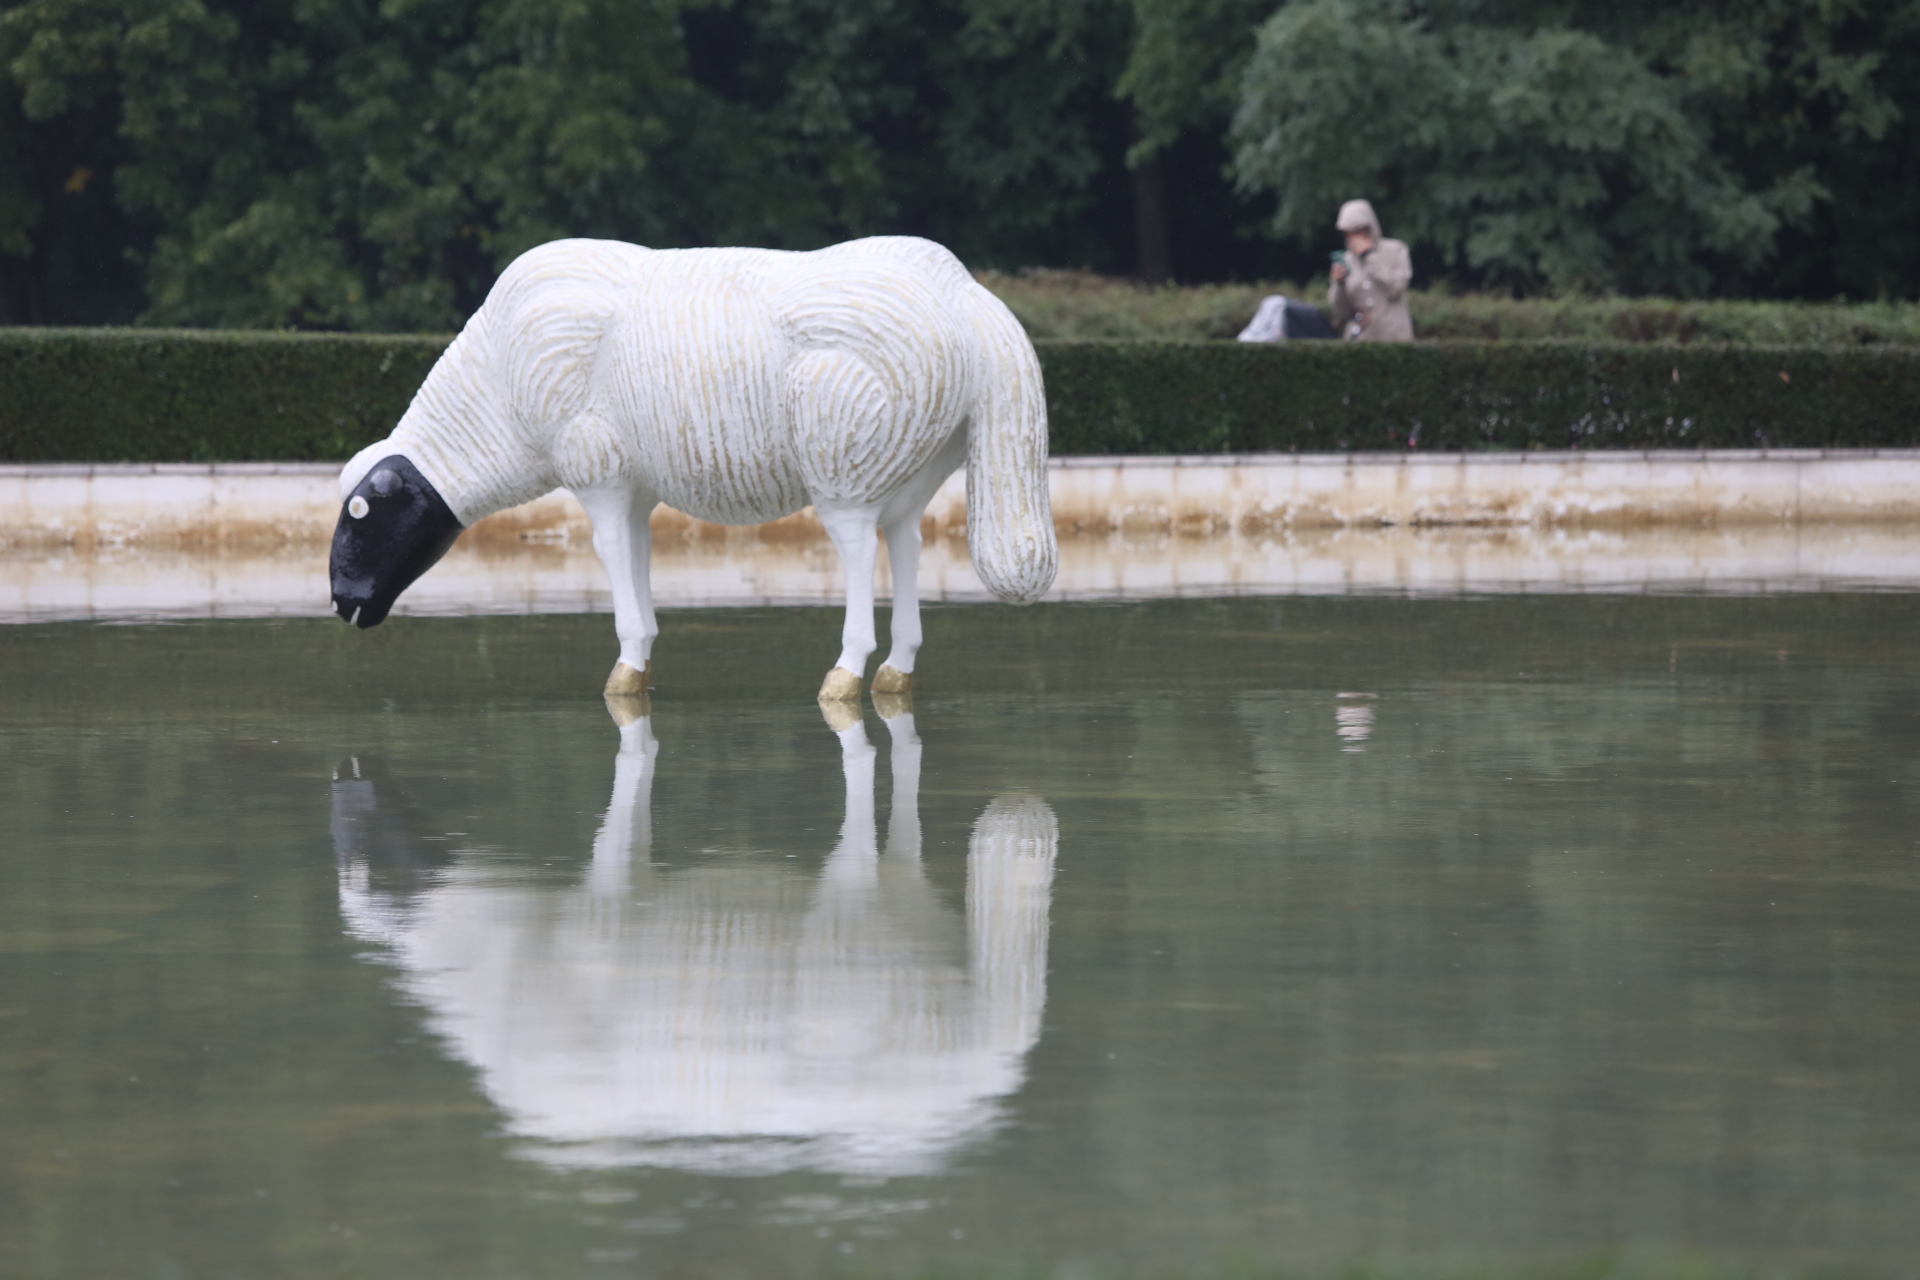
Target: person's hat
[(1357, 215)]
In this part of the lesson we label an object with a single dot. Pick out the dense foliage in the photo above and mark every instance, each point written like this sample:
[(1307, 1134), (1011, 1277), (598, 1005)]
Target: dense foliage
[(347, 164), (372, 164), (1628, 144), (158, 396)]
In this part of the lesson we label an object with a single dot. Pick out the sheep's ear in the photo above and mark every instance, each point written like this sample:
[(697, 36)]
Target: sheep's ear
[(361, 465)]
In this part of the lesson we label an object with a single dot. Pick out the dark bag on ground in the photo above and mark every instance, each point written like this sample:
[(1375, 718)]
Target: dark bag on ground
[(1281, 319)]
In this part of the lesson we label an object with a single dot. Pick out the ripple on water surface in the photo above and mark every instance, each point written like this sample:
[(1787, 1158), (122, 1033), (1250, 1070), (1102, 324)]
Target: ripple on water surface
[(1149, 937)]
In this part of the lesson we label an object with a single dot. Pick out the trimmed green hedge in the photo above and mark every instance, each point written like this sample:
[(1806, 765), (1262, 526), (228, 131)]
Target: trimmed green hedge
[(151, 395), (155, 396), (1152, 397)]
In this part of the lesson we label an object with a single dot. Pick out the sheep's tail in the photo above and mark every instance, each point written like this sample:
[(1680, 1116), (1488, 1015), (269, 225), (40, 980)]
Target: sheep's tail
[(1009, 514)]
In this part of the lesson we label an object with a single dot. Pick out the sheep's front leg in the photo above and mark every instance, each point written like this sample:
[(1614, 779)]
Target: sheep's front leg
[(853, 537), (624, 542), (903, 557)]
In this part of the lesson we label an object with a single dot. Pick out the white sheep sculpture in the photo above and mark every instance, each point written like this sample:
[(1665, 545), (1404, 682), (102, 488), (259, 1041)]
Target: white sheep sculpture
[(739, 386)]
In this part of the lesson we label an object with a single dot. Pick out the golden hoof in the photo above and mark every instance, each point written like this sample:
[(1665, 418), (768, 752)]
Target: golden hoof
[(625, 682), (841, 685), (889, 705), (892, 680), (839, 715), (628, 708)]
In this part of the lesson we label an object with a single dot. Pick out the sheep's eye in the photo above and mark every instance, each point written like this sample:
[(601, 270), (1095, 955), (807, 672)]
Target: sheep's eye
[(384, 482), (356, 506)]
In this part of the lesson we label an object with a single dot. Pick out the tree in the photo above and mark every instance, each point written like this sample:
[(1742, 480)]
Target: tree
[(333, 163), (1180, 76), (355, 164), (1029, 137), (1623, 146), (63, 236), (986, 124), (373, 164)]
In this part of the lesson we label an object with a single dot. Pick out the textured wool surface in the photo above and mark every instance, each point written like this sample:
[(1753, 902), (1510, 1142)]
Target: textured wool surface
[(741, 385)]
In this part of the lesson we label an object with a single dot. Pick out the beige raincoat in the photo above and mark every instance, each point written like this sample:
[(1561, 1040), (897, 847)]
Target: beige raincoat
[(1375, 289)]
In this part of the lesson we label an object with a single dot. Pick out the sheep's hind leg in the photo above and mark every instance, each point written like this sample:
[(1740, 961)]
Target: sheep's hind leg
[(853, 537), (900, 518), (624, 542)]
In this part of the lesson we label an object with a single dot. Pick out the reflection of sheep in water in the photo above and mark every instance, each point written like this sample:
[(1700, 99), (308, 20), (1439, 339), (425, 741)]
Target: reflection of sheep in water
[(738, 1019), (737, 385)]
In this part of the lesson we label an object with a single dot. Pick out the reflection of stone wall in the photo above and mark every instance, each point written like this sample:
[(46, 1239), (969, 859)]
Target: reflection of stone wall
[(507, 577)]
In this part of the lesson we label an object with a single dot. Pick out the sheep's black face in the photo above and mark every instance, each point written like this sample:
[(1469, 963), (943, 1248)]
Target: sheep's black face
[(393, 527), (377, 827)]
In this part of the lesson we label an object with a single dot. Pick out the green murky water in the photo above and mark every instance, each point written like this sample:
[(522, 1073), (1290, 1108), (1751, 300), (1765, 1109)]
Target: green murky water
[(1213, 936)]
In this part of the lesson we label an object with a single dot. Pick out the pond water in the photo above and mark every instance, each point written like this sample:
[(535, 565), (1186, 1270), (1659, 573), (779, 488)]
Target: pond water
[(1183, 937)]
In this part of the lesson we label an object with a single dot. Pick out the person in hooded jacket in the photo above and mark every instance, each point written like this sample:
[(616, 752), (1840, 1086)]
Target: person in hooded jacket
[(1369, 290)]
